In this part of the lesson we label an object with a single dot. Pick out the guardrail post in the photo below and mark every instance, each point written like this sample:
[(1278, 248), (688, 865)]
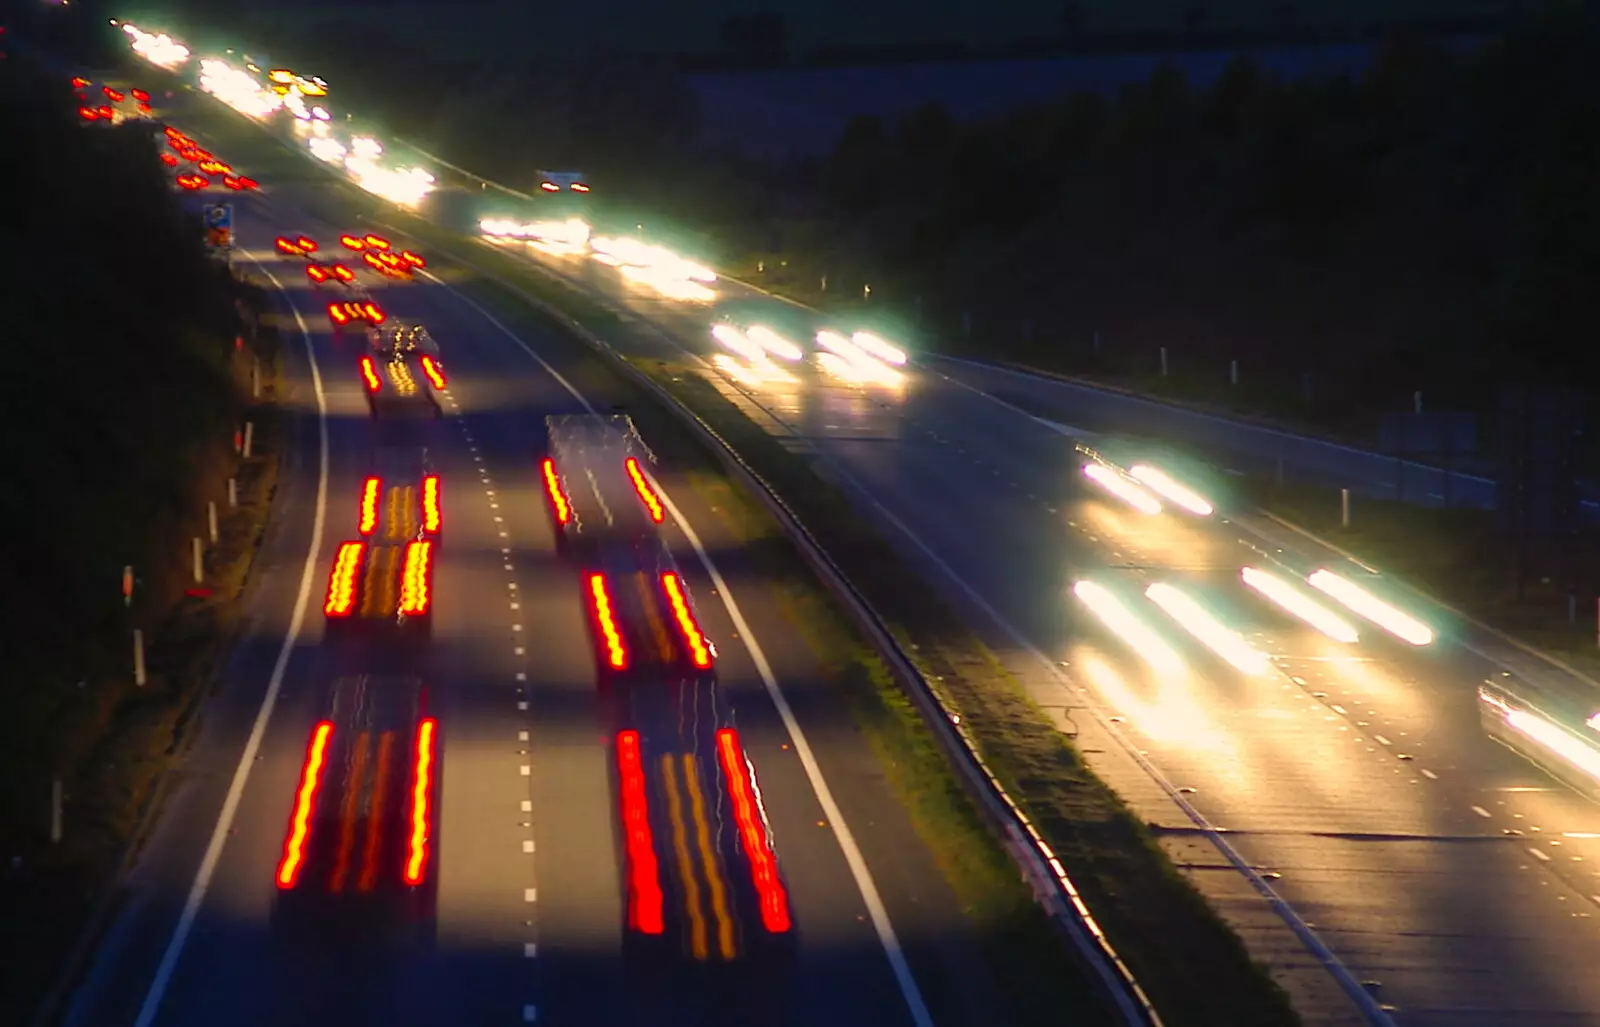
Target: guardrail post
[(1233, 372), (255, 377), (1027, 329), (249, 438), (233, 493), (1096, 343), (1163, 361), (211, 520), (966, 322), (138, 657), (55, 811), (199, 560), (1305, 386), (1416, 401), (1344, 508)]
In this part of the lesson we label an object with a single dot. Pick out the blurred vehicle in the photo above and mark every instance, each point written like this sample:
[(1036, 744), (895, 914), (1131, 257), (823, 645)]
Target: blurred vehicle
[(360, 849), (563, 182), (596, 483), (311, 86), (395, 339), (1557, 732), (400, 385), (384, 579), (281, 80)]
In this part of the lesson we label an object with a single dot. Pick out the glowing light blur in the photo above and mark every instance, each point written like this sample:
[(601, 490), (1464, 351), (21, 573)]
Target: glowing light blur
[(238, 89), (1122, 488), (1159, 482), (736, 340), (874, 346), (1398, 623), (161, 50), (1295, 602), (1126, 625), (1549, 734), (1208, 630), (754, 374), (773, 343)]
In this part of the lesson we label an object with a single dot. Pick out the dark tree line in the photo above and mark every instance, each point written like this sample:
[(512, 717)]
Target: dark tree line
[(1433, 224)]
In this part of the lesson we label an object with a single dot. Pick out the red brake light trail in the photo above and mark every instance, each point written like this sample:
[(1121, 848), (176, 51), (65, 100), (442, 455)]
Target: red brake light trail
[(616, 653), (558, 498), (370, 492), (306, 245), (752, 832), (336, 314), (112, 94), (416, 579), (374, 315), (579, 187), (549, 187), (141, 96), (342, 580), (432, 513), (286, 245), (699, 650), (369, 374), (377, 242), (352, 242), (421, 814), (106, 112), (316, 273), (415, 260), (646, 493), (80, 83), (342, 273), (166, 158), (89, 114), (434, 372), (644, 876), (294, 846)]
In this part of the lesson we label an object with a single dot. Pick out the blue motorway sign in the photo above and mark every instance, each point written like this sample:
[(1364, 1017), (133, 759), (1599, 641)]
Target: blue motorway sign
[(219, 225)]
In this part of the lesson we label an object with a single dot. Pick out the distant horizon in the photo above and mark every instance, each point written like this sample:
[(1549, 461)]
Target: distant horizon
[(497, 29)]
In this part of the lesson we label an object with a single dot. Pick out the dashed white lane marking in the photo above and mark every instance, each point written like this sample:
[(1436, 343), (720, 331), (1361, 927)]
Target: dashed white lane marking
[(522, 736), (530, 950), (504, 535), (522, 706), (525, 771), (520, 651), (494, 506), (516, 627), (521, 676), (527, 805), (1480, 811), (511, 585), (498, 518), (530, 1014), (516, 606), (527, 845), (508, 567), (1381, 740), (1541, 854), (1430, 775), (530, 895)]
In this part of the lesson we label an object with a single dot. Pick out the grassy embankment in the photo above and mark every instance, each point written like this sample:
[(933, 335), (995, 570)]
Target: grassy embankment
[(1195, 968), (118, 430)]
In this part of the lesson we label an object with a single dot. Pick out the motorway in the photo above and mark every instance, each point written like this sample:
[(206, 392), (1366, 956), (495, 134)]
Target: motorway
[(1445, 880), (529, 921)]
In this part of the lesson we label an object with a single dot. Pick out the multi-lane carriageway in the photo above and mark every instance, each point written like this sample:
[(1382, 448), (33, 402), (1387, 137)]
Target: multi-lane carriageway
[(469, 744), (1443, 879)]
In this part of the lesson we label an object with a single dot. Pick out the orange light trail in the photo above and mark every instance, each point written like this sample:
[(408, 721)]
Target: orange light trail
[(352, 242), (552, 485), (616, 654), (342, 581), (294, 846), (422, 783), (699, 651), (432, 513), (369, 505), (752, 830), (370, 373), (644, 874), (641, 486), (337, 315), (416, 579), (434, 372)]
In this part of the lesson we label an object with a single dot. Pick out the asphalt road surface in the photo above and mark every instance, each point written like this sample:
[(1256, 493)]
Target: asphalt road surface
[(1454, 883), (528, 919)]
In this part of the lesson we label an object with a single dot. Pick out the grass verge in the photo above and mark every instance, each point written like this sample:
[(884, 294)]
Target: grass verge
[(1452, 553), (1194, 967), (118, 739)]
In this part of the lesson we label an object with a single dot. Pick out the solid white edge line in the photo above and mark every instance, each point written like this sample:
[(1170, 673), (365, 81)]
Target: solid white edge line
[(219, 836), (909, 991)]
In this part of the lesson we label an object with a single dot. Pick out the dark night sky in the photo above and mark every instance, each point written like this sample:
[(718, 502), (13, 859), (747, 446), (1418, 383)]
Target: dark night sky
[(538, 26)]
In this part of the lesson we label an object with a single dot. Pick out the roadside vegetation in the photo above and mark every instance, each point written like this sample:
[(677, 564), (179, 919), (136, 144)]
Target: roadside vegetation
[(129, 356)]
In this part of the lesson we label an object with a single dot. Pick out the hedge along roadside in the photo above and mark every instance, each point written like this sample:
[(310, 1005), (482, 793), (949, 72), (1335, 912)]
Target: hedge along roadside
[(1037, 863), (189, 651)]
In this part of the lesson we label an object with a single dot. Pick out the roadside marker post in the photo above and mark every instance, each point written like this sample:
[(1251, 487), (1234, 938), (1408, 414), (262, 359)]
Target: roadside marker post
[(249, 437), (1344, 508), (138, 657), (55, 811), (1233, 372), (233, 493), (211, 518), (199, 560)]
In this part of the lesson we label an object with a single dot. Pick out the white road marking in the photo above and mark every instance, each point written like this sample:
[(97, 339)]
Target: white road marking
[(527, 805), (521, 676), (522, 736), (530, 895), (1430, 775), (516, 627), (1480, 811), (530, 950), (522, 706), (527, 845), (909, 991), (520, 651), (525, 770), (230, 807), (1541, 854)]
